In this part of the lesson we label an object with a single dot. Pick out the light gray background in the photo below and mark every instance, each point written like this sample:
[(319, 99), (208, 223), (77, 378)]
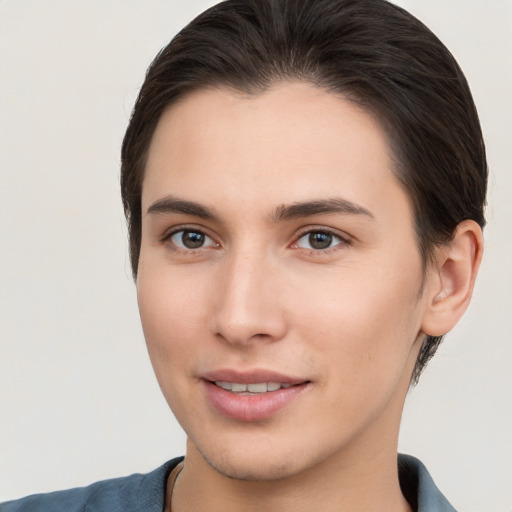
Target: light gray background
[(78, 398)]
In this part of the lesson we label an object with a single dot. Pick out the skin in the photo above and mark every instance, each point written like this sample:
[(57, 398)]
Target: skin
[(347, 318)]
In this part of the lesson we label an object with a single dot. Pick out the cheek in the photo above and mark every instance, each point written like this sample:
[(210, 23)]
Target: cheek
[(171, 325), (171, 319), (364, 321)]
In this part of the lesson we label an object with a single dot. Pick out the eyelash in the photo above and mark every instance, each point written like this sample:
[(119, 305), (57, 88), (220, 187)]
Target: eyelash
[(342, 241)]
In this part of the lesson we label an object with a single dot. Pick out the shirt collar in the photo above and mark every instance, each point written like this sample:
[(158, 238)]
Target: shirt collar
[(419, 488)]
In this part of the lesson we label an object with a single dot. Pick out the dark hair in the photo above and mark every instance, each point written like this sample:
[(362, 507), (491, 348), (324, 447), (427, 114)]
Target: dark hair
[(370, 51)]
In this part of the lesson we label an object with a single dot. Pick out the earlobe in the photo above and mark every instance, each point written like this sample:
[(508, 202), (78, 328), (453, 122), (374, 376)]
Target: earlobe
[(453, 278)]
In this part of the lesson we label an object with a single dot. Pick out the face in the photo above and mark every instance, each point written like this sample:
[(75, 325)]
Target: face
[(279, 280)]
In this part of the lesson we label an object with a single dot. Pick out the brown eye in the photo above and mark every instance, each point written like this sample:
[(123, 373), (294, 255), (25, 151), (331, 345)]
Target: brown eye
[(189, 239), (319, 240)]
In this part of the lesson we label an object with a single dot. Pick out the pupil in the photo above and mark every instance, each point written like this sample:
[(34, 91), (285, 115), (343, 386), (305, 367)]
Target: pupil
[(192, 240), (320, 240)]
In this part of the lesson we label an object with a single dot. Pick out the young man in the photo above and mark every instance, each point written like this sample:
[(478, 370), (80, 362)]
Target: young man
[(304, 183)]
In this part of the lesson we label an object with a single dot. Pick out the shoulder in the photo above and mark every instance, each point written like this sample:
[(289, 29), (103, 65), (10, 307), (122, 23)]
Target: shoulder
[(419, 488), (137, 493)]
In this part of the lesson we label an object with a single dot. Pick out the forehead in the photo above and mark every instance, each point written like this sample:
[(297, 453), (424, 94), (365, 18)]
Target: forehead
[(288, 144)]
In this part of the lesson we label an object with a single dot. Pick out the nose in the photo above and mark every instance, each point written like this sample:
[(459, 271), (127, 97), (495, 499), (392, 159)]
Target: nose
[(248, 304)]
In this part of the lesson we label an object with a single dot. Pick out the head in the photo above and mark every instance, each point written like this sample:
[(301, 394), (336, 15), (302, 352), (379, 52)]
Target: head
[(370, 52), (304, 183)]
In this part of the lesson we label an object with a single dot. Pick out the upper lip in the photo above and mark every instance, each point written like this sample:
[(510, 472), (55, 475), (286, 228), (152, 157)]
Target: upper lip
[(250, 377)]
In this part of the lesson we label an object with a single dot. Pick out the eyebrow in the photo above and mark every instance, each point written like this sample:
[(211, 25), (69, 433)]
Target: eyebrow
[(310, 208), (172, 204)]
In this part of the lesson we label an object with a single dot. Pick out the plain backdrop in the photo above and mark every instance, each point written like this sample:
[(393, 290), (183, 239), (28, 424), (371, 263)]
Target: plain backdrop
[(78, 399)]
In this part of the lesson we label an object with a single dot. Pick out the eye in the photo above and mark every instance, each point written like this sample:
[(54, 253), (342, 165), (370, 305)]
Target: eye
[(319, 240), (191, 239)]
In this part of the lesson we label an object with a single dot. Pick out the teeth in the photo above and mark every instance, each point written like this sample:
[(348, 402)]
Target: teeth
[(248, 389), (257, 388), (274, 386), (223, 385)]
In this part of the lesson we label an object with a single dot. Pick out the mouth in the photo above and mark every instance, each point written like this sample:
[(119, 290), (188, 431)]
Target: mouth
[(257, 388), (251, 396)]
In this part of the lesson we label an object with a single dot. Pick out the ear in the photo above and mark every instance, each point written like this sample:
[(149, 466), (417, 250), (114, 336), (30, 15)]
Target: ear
[(452, 278)]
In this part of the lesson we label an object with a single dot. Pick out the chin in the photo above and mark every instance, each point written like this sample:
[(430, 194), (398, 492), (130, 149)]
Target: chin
[(257, 466), (252, 472)]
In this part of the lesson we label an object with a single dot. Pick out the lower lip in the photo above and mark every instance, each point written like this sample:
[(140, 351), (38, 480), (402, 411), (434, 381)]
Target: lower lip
[(251, 407)]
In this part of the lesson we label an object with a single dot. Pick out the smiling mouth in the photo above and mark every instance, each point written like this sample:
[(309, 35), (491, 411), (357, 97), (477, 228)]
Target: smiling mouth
[(258, 388), (254, 400)]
